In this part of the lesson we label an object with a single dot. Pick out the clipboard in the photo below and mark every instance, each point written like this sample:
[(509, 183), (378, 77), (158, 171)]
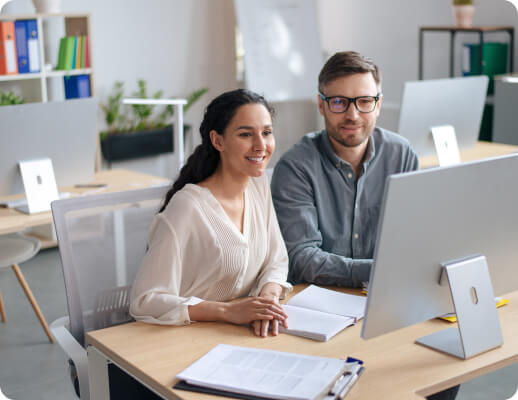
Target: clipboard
[(338, 391)]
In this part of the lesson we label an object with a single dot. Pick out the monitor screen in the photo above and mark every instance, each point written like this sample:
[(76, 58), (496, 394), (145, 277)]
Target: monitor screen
[(65, 132), (434, 216), (458, 102)]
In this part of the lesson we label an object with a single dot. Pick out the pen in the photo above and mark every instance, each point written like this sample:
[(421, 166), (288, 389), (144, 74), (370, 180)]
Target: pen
[(339, 384), (352, 381)]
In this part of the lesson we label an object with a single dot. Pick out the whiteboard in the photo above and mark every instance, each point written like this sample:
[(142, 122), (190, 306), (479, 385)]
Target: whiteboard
[(283, 55)]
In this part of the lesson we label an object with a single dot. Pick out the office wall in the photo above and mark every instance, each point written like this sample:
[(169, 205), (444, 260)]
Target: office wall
[(388, 32), (179, 46)]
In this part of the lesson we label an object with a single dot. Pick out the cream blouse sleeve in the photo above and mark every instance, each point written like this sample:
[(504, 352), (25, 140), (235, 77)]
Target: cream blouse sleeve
[(155, 295), (275, 266)]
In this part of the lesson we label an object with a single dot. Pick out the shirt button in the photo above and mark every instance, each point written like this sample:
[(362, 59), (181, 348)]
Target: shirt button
[(349, 175), (356, 236)]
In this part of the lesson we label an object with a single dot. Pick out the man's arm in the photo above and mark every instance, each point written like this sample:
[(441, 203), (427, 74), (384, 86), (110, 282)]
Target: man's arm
[(293, 197)]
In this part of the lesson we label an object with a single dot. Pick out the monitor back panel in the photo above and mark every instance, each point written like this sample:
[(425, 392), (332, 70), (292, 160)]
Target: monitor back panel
[(458, 102), (434, 216), (65, 132)]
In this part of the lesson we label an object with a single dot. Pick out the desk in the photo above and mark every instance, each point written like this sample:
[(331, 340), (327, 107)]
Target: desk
[(396, 368), (116, 180), (479, 152)]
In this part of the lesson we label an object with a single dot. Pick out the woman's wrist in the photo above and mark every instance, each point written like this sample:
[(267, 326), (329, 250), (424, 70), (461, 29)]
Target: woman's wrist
[(271, 290)]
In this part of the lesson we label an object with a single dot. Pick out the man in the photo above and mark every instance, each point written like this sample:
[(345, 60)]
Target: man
[(328, 188)]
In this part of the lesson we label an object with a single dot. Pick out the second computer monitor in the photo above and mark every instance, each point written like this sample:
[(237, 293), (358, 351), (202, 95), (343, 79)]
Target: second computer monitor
[(65, 132), (458, 102)]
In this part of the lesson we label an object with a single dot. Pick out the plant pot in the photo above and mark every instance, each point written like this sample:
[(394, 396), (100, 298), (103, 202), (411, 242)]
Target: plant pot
[(130, 145), (47, 6), (464, 16)]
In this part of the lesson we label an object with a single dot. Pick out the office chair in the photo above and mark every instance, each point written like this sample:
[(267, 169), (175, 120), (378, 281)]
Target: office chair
[(102, 240), (16, 248)]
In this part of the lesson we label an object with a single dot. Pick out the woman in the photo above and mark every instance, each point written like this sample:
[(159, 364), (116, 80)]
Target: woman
[(215, 249)]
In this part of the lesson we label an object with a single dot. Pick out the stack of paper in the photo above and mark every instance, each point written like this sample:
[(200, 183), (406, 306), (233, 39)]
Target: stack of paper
[(319, 313)]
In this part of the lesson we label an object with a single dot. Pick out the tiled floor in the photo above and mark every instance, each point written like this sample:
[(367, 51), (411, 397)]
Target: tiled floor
[(32, 368)]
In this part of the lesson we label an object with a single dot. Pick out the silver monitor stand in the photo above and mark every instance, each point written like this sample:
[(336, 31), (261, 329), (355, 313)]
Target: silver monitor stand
[(474, 303)]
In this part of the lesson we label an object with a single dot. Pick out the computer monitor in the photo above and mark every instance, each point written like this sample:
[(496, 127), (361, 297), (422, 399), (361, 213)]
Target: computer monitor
[(432, 219), (458, 102), (65, 132)]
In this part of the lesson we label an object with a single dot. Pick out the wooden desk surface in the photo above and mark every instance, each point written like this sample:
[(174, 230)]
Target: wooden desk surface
[(12, 220), (396, 368), (480, 151)]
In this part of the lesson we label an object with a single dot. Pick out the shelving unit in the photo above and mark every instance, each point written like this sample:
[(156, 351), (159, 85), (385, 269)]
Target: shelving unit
[(452, 31), (74, 25)]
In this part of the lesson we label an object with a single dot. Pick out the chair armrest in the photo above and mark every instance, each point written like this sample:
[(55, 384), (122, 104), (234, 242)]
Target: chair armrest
[(75, 351)]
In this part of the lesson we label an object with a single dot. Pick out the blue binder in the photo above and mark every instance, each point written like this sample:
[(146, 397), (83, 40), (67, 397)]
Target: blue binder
[(77, 86), (22, 50), (32, 45)]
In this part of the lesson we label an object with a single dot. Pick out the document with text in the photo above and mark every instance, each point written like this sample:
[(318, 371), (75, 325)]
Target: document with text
[(318, 313), (266, 373)]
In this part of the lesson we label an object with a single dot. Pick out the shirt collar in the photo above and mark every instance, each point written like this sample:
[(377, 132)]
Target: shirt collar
[(370, 152)]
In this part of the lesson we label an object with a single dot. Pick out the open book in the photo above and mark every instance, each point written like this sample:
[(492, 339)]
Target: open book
[(319, 313), (259, 374)]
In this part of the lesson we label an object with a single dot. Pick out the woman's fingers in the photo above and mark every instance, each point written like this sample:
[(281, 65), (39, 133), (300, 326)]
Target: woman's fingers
[(264, 327), (256, 326), (275, 327)]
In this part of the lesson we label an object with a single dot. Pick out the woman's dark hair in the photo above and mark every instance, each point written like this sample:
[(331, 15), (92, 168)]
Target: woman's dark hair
[(204, 160)]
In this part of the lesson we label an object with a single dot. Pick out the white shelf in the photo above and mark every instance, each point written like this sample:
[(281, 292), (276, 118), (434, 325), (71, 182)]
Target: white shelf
[(60, 73), (20, 77)]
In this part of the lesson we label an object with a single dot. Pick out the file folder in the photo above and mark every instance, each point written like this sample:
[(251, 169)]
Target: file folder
[(8, 57), (22, 49), (33, 46)]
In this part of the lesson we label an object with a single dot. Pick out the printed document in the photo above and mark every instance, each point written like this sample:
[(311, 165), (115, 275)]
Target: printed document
[(265, 373)]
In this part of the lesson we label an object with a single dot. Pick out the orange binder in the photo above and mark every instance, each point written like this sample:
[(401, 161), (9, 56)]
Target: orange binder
[(8, 57)]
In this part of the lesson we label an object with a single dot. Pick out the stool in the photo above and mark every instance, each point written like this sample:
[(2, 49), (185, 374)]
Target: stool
[(14, 249)]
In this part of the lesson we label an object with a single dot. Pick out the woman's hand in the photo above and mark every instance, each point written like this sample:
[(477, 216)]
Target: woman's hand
[(270, 291), (246, 310)]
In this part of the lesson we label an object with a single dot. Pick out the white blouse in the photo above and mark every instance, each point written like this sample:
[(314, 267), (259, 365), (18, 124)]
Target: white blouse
[(196, 253)]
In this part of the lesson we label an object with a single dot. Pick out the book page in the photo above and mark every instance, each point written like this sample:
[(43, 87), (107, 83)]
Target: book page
[(329, 301), (264, 373), (314, 324)]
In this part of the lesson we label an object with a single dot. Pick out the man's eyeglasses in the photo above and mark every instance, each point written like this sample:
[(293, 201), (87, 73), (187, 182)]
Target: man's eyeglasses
[(340, 104)]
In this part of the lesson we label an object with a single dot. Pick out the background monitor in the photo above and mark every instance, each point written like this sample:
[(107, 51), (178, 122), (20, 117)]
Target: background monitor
[(434, 216), (458, 102), (65, 132)]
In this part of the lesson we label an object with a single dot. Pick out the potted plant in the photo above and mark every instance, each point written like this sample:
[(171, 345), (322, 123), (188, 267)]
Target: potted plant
[(9, 99), (463, 11), (138, 130)]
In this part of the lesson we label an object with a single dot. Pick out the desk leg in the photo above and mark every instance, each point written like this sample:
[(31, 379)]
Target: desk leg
[(98, 375)]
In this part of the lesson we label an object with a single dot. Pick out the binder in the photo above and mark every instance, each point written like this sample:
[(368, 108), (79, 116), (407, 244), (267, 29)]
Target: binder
[(74, 53), (61, 54), (83, 52), (22, 49), (77, 63), (8, 57), (68, 53), (87, 51), (32, 45), (249, 373), (77, 86)]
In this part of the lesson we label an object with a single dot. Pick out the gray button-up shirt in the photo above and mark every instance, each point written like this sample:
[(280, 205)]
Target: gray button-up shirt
[(327, 216)]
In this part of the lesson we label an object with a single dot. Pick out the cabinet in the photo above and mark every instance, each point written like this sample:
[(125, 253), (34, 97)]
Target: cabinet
[(41, 86)]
